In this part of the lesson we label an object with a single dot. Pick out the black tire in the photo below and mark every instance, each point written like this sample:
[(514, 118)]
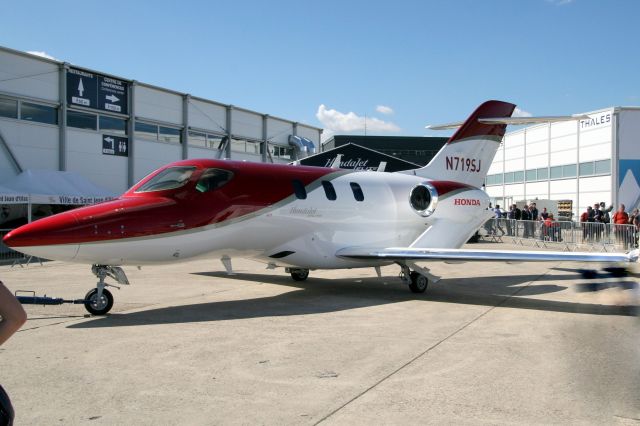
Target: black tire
[(101, 308), (419, 282), (299, 274)]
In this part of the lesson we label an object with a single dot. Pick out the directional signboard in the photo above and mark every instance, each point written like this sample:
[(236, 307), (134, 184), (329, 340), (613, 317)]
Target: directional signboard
[(112, 94), (82, 88), (96, 91), (115, 145)]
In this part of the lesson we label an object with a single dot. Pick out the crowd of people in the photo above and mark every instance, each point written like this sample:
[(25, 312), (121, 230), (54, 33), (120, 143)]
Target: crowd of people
[(597, 222)]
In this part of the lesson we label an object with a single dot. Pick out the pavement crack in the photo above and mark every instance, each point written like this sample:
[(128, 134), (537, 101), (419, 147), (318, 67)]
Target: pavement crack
[(429, 349)]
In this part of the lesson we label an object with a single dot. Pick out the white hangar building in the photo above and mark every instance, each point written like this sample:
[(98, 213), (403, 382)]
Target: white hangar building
[(114, 131), (586, 161)]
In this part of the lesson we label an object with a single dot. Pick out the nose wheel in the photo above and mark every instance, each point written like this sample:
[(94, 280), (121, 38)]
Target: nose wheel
[(98, 304)]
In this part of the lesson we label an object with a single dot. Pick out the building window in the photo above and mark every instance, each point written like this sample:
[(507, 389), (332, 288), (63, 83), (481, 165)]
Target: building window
[(357, 191), (586, 169), (508, 177), (146, 131), (205, 140), (8, 108), (543, 173), (531, 175), (170, 135), (215, 141), (518, 176), (281, 151), (81, 120), (40, 113), (243, 145), (197, 139), (556, 172), (603, 167), (329, 190), (113, 125), (299, 189), (569, 171)]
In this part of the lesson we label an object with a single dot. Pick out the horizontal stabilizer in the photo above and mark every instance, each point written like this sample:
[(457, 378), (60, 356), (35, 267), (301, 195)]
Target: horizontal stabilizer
[(512, 121), (407, 253)]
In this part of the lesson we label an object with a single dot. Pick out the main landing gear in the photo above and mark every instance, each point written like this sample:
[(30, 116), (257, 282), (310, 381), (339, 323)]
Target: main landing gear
[(99, 300), (298, 274), (418, 279)]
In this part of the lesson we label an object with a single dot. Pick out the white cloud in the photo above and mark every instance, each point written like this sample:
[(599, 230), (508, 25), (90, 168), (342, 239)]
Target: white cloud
[(521, 113), (382, 109), (41, 53), (337, 121)]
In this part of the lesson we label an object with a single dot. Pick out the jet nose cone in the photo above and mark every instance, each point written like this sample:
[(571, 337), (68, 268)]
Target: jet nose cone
[(48, 238)]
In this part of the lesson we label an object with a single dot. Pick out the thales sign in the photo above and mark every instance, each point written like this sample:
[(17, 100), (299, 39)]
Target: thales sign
[(596, 120)]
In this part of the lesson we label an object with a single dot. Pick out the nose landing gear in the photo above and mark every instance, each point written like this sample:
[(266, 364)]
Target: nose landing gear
[(99, 300)]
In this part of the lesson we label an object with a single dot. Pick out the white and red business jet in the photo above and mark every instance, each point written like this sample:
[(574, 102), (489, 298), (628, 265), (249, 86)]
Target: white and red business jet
[(300, 218)]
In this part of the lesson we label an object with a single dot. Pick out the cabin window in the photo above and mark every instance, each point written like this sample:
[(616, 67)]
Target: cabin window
[(169, 178), (299, 189), (213, 179), (329, 190), (357, 191)]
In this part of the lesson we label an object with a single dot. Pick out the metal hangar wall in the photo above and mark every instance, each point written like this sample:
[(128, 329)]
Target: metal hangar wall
[(586, 161), (114, 131)]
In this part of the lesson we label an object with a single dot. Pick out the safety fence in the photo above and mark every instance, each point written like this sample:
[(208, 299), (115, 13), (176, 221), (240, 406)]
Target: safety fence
[(569, 235), (9, 256), (6, 254)]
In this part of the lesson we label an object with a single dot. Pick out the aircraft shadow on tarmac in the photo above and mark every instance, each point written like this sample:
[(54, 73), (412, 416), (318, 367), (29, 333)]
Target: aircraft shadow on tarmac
[(320, 295)]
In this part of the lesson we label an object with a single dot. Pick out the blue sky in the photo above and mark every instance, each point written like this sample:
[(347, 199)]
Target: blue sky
[(427, 62)]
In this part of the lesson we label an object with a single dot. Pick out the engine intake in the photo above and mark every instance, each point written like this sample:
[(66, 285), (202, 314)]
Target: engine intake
[(423, 199)]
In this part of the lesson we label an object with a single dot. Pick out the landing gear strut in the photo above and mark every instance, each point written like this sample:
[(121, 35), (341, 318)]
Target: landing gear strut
[(99, 300)]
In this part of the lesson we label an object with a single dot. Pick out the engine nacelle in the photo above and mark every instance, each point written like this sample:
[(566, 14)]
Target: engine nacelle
[(423, 199)]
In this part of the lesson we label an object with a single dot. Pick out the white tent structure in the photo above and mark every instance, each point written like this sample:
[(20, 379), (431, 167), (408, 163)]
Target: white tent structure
[(51, 187)]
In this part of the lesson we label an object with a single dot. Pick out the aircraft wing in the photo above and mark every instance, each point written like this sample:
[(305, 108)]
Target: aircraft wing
[(465, 255)]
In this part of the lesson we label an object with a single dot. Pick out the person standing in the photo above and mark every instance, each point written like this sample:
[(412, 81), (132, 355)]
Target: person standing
[(585, 218), (534, 218), (526, 220), (499, 214), (534, 211), (598, 223), (544, 215), (13, 317), (621, 221), (511, 220)]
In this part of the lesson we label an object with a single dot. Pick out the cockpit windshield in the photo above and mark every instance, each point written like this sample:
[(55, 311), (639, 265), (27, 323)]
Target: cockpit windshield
[(213, 179), (169, 178)]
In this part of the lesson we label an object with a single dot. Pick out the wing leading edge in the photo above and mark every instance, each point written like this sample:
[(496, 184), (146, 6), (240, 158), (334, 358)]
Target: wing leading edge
[(466, 255)]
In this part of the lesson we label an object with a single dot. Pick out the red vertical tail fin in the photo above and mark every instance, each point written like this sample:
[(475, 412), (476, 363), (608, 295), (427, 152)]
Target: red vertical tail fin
[(467, 155)]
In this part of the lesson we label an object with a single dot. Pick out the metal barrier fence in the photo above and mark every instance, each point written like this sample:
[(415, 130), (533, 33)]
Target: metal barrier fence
[(12, 257), (8, 255), (596, 236)]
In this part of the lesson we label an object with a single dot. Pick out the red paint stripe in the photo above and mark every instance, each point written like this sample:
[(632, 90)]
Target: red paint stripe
[(255, 186)]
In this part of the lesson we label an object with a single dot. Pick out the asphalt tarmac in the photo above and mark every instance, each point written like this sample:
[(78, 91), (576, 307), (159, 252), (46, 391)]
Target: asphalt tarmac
[(491, 343)]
